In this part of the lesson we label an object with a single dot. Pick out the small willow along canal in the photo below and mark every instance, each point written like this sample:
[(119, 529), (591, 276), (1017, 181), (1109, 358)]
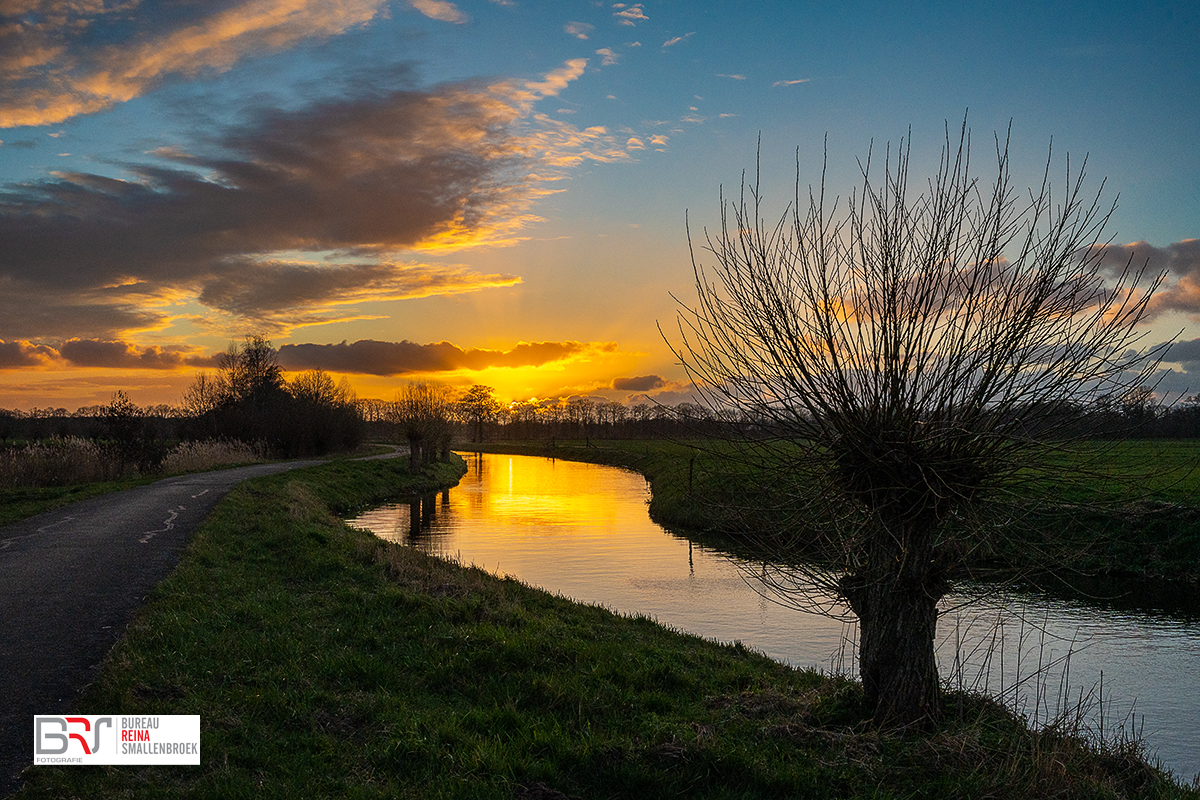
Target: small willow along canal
[(583, 531)]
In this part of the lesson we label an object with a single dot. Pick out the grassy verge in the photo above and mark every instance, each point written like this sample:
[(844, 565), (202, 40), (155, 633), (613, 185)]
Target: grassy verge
[(17, 503), (1133, 516), (326, 663)]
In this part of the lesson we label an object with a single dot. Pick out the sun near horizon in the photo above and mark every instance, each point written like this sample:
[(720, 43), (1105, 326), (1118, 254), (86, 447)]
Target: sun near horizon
[(510, 193)]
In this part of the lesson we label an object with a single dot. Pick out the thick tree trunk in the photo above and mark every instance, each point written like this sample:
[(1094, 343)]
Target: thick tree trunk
[(896, 655), (895, 598), (414, 453)]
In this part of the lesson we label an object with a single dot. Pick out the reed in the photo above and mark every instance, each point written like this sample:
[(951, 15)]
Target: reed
[(59, 462), (210, 454)]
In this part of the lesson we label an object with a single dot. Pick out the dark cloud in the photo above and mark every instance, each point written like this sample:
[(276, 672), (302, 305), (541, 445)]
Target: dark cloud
[(1179, 261), (123, 355), (371, 357), (354, 179), (1183, 352), (101, 353), (642, 383), (27, 313), (266, 291), (24, 354)]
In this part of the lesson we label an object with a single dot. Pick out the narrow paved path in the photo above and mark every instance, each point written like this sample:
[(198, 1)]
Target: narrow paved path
[(71, 581)]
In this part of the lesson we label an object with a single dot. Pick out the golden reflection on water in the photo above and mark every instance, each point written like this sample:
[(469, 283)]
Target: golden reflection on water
[(583, 531)]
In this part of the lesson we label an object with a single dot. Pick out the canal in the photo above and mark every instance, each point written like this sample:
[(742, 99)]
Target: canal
[(583, 531)]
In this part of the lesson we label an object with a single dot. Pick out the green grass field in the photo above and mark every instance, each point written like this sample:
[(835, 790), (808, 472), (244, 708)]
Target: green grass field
[(326, 663)]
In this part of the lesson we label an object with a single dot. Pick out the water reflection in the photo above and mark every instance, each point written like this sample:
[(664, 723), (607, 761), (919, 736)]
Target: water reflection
[(583, 531)]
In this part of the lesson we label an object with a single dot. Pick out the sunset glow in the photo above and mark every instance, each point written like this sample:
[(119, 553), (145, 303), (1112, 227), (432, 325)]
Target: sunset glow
[(502, 191)]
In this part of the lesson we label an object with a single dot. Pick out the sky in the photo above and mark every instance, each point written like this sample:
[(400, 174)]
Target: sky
[(501, 191)]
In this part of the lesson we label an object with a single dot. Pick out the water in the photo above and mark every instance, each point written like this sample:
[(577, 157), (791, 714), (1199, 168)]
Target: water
[(583, 531)]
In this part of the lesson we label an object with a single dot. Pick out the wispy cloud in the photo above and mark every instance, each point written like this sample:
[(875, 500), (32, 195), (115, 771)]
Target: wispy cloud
[(629, 15), (736, 77), (609, 57), (60, 59), (791, 83), (556, 80), (278, 296), (439, 10), (579, 30), (676, 40), (371, 357)]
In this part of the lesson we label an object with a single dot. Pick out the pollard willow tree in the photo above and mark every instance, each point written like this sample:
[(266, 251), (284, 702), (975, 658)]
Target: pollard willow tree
[(894, 360)]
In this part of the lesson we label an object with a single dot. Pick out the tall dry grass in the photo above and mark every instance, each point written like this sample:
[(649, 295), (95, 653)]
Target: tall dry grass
[(59, 462), (71, 461), (210, 454)]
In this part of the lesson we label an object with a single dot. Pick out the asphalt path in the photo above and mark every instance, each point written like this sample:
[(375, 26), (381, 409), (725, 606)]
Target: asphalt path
[(71, 581)]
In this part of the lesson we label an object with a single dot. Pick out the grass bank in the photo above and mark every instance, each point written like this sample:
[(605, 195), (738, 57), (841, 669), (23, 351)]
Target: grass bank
[(326, 663), (1133, 515)]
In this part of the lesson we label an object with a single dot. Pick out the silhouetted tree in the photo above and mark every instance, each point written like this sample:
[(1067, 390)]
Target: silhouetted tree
[(887, 352), (478, 405), (422, 411), (202, 397), (250, 400), (128, 426), (250, 373), (323, 416)]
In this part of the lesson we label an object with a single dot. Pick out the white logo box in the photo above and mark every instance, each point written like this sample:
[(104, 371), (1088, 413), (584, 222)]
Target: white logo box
[(117, 739)]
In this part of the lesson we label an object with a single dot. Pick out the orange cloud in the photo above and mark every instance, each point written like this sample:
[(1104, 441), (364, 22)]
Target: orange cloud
[(439, 10), (85, 80), (371, 357), (21, 353), (631, 15)]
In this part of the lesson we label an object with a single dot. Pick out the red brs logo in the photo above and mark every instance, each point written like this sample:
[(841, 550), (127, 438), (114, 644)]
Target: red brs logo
[(53, 735)]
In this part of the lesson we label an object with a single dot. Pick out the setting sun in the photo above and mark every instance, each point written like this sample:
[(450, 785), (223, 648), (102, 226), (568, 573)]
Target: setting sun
[(499, 193)]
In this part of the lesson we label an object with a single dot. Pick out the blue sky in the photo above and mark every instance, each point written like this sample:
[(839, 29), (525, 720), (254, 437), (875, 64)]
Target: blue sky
[(496, 192)]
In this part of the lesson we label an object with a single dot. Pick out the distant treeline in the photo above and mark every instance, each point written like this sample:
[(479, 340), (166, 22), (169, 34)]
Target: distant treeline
[(477, 414), (250, 400)]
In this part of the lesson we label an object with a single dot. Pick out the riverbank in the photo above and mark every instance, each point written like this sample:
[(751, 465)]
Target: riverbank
[(326, 663), (1090, 538)]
